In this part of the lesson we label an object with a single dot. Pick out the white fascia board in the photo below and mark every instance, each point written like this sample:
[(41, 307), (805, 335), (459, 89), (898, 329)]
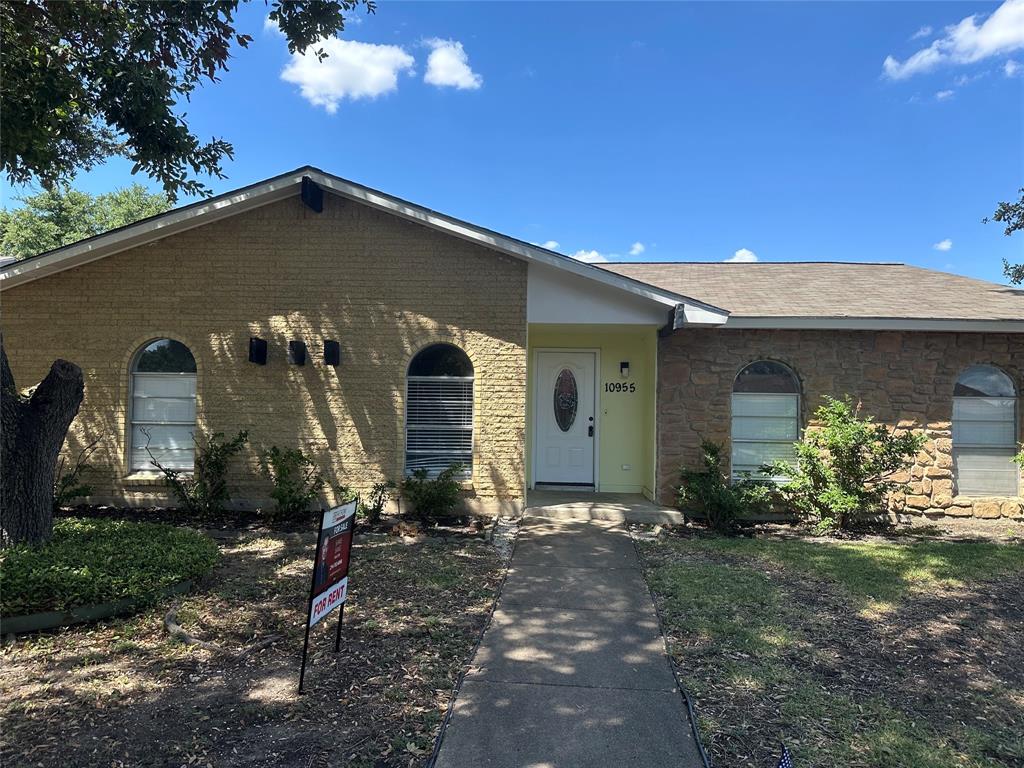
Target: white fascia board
[(693, 314), (877, 324), (148, 230)]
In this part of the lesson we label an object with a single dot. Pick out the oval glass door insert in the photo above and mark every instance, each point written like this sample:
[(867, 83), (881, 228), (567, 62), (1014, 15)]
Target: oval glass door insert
[(566, 398)]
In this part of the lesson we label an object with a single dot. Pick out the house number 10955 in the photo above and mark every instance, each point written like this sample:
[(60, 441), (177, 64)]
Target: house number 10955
[(620, 386)]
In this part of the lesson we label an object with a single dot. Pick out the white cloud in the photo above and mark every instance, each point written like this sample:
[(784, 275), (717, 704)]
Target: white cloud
[(922, 32), (943, 245), (448, 65), (637, 248), (1011, 68), (962, 80), (743, 254), (551, 245), (591, 257), (352, 70), (271, 26), (966, 42), (943, 95)]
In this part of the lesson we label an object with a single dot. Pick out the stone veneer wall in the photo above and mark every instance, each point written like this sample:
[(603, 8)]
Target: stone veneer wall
[(382, 286), (903, 378)]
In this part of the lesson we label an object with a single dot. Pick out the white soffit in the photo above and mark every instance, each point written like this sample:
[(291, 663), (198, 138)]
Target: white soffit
[(557, 296)]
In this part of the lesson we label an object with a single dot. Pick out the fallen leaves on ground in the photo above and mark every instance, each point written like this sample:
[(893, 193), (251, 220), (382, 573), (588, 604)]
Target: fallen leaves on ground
[(123, 693)]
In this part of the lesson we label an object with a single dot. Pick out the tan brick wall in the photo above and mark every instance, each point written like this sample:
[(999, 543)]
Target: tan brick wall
[(903, 379), (383, 287)]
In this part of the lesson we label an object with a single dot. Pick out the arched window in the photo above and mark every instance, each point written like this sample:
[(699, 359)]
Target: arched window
[(765, 416), (439, 411), (163, 407), (984, 432)]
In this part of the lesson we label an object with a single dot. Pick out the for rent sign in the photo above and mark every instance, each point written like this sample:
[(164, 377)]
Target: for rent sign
[(330, 575), (329, 589)]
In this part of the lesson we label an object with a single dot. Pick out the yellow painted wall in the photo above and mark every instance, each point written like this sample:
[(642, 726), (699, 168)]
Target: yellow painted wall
[(625, 420)]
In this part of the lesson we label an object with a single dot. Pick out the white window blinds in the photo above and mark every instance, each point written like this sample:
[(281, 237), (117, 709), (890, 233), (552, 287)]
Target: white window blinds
[(765, 417), (984, 432), (163, 407), (439, 424), (439, 411), (764, 428)]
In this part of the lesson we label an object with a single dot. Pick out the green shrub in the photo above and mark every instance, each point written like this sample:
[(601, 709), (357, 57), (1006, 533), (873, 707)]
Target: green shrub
[(343, 494), (297, 482), (1019, 458), (380, 494), (844, 465), (436, 497), (203, 491), (90, 561), (67, 480), (708, 490)]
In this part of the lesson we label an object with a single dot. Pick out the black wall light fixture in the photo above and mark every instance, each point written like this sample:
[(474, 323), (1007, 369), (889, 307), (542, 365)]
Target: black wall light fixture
[(332, 352), (297, 353), (257, 350)]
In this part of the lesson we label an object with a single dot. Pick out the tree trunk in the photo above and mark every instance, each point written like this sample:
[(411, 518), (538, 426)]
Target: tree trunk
[(32, 431)]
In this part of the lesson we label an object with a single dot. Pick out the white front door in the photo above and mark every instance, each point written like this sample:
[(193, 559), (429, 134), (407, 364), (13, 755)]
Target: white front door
[(564, 418)]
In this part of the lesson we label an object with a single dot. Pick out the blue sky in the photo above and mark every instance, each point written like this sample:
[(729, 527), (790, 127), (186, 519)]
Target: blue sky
[(796, 131)]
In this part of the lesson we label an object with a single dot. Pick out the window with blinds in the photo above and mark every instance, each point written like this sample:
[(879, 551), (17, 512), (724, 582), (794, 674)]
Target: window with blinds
[(163, 407), (985, 433), (765, 417), (439, 411)]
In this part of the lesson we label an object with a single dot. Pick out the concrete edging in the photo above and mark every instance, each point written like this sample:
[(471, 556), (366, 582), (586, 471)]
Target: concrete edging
[(37, 622)]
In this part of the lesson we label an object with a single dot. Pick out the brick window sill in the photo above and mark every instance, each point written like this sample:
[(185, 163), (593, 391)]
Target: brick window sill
[(143, 480)]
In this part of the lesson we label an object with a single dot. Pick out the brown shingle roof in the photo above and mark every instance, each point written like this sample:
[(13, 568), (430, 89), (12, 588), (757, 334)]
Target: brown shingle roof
[(830, 289)]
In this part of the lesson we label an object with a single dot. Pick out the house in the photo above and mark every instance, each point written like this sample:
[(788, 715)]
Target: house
[(381, 336)]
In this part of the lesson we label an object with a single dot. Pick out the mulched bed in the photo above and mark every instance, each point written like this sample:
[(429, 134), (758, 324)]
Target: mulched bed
[(949, 660), (122, 693)]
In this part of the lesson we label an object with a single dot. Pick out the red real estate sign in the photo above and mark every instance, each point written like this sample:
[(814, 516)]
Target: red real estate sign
[(329, 589), (330, 575)]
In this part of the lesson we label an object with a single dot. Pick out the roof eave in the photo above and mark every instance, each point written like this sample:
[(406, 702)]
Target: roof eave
[(280, 187), (150, 230), (967, 324)]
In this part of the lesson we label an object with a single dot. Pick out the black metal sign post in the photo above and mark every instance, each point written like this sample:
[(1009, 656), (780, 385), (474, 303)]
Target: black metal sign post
[(348, 559), (328, 588)]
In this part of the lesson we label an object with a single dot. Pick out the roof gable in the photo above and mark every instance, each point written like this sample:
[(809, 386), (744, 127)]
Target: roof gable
[(289, 184)]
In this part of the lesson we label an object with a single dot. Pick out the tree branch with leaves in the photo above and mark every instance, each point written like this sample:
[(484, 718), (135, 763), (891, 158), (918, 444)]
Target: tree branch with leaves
[(1011, 214), (88, 80)]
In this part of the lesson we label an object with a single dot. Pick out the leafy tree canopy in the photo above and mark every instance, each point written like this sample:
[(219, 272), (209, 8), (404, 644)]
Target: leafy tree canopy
[(87, 80), (60, 216), (1011, 214)]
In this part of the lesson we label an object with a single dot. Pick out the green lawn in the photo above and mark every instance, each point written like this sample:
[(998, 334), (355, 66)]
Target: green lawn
[(853, 653)]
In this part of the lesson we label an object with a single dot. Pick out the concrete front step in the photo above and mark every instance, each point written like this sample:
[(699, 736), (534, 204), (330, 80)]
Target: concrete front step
[(608, 507)]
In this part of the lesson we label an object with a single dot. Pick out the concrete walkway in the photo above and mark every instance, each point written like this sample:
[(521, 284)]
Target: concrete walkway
[(572, 671)]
